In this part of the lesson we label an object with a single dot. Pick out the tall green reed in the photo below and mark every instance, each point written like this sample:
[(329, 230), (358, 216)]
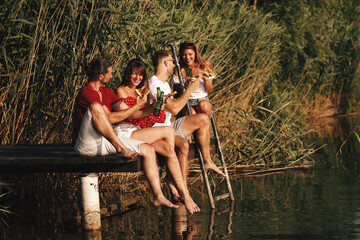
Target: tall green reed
[(47, 43)]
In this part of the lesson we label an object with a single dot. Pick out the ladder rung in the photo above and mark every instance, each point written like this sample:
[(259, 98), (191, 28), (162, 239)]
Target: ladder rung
[(223, 196)]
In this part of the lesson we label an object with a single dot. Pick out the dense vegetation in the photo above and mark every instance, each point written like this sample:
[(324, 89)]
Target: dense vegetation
[(272, 63)]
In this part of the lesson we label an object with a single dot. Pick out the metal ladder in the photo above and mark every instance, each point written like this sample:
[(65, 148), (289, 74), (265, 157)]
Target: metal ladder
[(229, 194)]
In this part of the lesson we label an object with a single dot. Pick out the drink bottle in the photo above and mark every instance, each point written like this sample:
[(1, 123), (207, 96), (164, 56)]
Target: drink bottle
[(159, 102), (188, 72)]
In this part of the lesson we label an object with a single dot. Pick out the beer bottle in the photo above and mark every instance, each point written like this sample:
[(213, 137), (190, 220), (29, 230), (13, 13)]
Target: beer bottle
[(188, 72), (159, 102)]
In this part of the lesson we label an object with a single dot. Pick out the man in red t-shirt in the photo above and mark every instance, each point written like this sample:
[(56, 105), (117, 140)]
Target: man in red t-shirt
[(93, 131)]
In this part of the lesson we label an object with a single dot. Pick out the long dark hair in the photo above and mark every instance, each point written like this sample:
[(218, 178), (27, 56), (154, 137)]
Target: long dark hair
[(97, 67), (134, 63), (190, 45)]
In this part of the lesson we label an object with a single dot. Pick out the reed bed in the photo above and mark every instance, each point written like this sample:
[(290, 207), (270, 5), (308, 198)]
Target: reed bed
[(46, 44)]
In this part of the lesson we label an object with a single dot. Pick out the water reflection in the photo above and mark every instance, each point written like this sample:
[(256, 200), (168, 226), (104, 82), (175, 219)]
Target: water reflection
[(182, 231), (91, 235), (230, 211), (179, 222)]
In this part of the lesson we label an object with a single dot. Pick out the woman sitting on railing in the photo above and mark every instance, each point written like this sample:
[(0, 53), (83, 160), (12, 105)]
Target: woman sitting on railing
[(193, 65)]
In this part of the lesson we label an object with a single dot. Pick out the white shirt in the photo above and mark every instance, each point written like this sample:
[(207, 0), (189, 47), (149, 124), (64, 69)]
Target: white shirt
[(154, 83), (200, 92)]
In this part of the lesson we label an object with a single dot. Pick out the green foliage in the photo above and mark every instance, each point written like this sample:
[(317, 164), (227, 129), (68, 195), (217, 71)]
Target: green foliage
[(255, 54), (320, 45), (47, 43), (269, 135)]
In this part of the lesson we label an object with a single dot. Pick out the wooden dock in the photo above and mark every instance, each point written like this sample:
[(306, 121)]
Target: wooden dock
[(63, 158)]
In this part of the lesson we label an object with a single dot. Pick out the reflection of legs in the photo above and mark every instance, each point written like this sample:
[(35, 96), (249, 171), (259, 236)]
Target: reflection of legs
[(151, 172), (204, 106), (201, 123), (103, 126)]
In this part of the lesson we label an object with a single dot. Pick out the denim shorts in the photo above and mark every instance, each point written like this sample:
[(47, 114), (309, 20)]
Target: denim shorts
[(195, 102)]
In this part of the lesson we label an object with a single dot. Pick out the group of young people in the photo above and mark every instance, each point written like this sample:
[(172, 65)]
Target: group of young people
[(137, 131)]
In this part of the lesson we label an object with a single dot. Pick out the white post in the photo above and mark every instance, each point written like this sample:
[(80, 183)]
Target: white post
[(91, 219)]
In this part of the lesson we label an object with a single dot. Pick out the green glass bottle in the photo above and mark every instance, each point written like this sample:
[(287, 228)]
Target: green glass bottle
[(159, 102), (188, 72)]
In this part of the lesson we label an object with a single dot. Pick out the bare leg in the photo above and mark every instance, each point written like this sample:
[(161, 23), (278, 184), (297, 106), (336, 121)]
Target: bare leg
[(182, 151), (103, 126), (201, 123), (165, 140), (163, 149), (151, 172), (204, 106), (167, 149), (174, 168)]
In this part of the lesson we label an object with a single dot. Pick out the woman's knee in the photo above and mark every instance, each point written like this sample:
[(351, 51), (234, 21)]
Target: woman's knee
[(169, 151), (205, 107), (182, 146), (147, 151), (204, 104)]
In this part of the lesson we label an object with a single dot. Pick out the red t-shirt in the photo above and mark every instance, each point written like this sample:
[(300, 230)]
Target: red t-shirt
[(87, 96)]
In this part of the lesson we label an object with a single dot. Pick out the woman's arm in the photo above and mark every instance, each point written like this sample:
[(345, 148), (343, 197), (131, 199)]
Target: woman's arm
[(123, 107)]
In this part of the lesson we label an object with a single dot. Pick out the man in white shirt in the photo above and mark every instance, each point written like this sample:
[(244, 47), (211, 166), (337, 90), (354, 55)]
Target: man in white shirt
[(185, 126)]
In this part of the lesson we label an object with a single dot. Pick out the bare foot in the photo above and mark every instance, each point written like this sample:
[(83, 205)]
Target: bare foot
[(127, 153), (173, 189), (211, 166), (162, 201), (191, 205)]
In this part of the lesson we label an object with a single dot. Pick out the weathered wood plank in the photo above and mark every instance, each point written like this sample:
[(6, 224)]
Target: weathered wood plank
[(60, 158), (63, 158)]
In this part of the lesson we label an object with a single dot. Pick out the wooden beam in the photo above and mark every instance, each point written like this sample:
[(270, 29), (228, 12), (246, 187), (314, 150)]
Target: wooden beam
[(63, 158)]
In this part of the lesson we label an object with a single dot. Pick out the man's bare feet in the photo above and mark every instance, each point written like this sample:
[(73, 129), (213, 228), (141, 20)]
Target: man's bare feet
[(162, 201), (173, 189), (209, 165), (127, 153)]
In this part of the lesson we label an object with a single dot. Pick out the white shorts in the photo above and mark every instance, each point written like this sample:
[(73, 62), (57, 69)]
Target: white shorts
[(91, 143), (125, 129)]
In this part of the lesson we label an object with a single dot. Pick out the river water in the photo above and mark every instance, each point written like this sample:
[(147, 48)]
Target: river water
[(318, 203)]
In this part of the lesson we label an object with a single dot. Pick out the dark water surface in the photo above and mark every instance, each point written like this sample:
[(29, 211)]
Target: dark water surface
[(321, 203)]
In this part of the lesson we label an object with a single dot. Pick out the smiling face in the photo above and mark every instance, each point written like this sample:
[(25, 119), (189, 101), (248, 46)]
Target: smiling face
[(188, 57), (136, 77)]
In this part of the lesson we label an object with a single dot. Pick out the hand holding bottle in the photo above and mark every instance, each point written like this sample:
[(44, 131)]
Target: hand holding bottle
[(159, 102)]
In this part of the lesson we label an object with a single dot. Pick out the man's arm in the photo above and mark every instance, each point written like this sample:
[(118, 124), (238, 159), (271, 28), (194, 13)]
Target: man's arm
[(175, 106)]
